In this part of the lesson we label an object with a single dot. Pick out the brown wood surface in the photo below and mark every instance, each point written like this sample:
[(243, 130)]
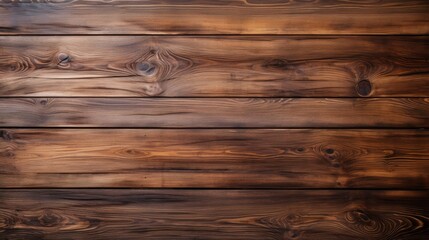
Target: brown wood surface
[(215, 112), (301, 66), (213, 214), (200, 119), (214, 17), (205, 158)]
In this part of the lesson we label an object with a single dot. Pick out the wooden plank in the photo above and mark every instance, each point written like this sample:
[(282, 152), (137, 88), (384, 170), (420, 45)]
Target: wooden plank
[(213, 214), (215, 112), (301, 66), (214, 17), (206, 158)]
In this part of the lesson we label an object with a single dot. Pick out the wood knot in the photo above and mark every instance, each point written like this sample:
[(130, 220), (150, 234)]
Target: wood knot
[(332, 157), (6, 135), (389, 153), (146, 68), (152, 89), (63, 59), (336, 164), (292, 218), (329, 151), (276, 63), (43, 102), (12, 67), (364, 88), (300, 149), (290, 234), (7, 154), (45, 218), (49, 219), (358, 216)]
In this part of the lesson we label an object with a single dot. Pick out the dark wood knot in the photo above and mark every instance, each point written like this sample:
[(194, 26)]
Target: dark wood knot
[(146, 68), (364, 88), (290, 234), (276, 63), (358, 216), (63, 59), (49, 219), (329, 151), (332, 157), (6, 135), (300, 149), (291, 218), (7, 154), (12, 67)]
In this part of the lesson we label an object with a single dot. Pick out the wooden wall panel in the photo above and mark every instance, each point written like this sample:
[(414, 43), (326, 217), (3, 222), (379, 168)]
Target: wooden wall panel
[(213, 214), (214, 17), (293, 66), (245, 119), (215, 112), (204, 158)]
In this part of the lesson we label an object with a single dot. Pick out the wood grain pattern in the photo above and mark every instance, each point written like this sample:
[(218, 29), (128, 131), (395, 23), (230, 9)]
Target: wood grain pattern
[(242, 119), (213, 214), (215, 112), (214, 158), (214, 17), (301, 66)]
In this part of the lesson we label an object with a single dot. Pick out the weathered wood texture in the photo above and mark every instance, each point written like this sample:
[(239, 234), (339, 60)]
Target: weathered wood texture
[(214, 17), (214, 112), (306, 66), (214, 158), (100, 94), (213, 214)]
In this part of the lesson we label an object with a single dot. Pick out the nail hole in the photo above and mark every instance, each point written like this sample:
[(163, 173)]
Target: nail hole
[(364, 88)]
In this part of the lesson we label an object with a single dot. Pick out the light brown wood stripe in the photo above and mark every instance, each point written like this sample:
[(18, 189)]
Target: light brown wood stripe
[(213, 214), (215, 112), (206, 158), (302, 66), (214, 17)]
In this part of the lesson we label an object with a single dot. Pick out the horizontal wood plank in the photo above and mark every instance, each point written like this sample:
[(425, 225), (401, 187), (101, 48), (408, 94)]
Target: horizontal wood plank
[(202, 158), (215, 112), (214, 17), (301, 66), (213, 214)]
